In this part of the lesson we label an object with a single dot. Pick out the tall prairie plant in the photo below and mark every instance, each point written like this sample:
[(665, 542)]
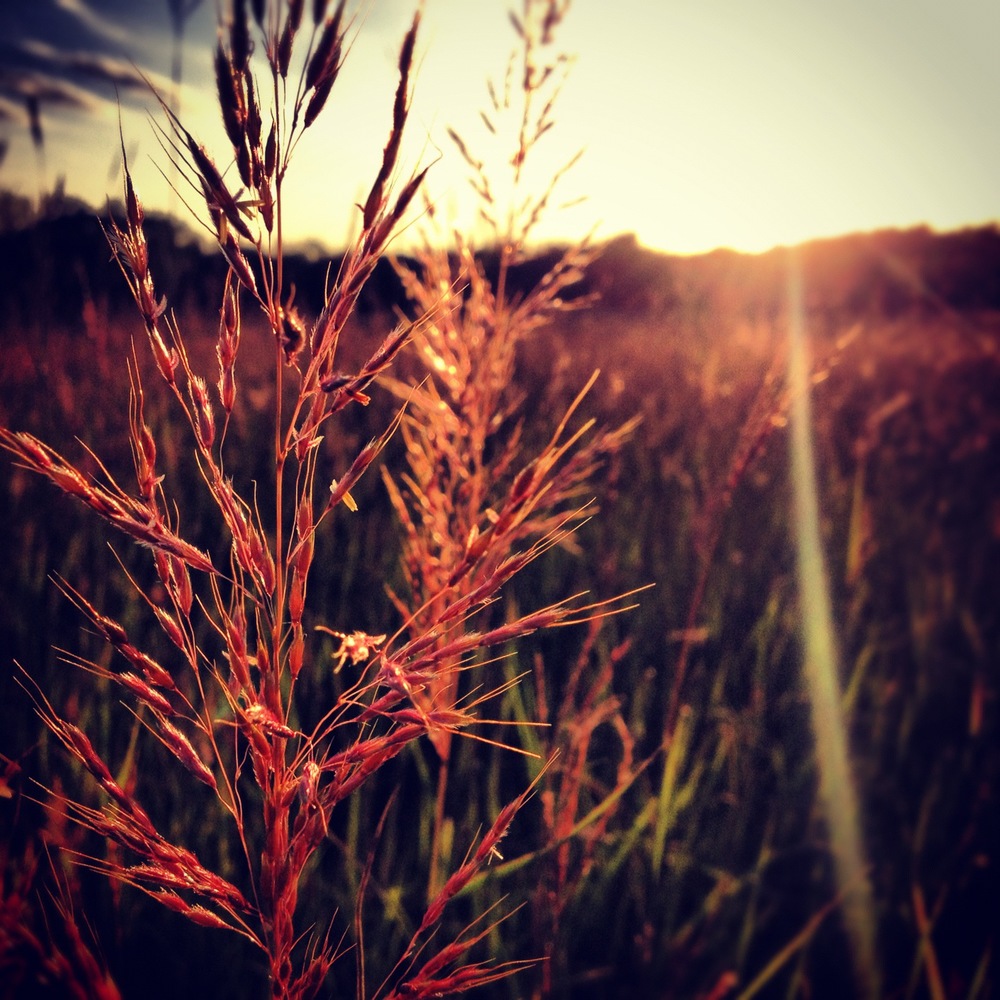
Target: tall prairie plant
[(475, 489), (226, 705)]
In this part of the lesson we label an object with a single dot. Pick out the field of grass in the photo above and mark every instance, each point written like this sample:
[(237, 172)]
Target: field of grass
[(713, 866), (676, 840)]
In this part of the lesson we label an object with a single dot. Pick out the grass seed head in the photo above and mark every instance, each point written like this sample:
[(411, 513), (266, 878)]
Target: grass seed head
[(180, 746), (325, 61), (239, 38), (227, 84)]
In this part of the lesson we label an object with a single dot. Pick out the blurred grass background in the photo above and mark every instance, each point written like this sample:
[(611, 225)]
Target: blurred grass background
[(711, 874)]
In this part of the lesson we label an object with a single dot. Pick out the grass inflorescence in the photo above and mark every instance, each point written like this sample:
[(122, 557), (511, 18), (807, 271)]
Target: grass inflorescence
[(221, 697)]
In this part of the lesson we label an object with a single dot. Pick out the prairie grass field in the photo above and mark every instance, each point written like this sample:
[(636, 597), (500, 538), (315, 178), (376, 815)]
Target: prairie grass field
[(677, 848), (461, 616)]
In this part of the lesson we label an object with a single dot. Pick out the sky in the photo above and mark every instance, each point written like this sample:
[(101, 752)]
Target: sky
[(702, 124)]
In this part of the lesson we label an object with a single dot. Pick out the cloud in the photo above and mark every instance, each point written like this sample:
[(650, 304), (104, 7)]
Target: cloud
[(38, 89), (95, 23), (10, 111), (111, 69), (42, 87)]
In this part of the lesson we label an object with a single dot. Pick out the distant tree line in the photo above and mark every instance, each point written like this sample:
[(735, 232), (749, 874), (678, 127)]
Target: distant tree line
[(56, 260)]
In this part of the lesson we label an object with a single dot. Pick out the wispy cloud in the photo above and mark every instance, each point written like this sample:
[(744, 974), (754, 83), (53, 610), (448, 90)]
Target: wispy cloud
[(11, 111), (111, 69), (36, 90), (98, 25), (44, 87)]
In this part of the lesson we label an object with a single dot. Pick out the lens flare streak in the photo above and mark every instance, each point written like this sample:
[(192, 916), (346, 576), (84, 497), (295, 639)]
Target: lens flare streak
[(837, 793)]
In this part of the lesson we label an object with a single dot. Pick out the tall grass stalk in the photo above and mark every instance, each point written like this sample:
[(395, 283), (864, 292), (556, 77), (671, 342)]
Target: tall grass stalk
[(223, 700), (472, 483)]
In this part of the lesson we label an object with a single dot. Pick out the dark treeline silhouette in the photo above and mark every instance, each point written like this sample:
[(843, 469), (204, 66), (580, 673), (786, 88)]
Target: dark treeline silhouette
[(56, 261)]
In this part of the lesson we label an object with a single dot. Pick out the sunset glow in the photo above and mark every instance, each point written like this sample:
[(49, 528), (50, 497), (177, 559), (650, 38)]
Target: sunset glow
[(702, 126)]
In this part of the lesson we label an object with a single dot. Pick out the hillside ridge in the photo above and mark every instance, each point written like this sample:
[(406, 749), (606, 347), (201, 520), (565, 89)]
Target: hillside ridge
[(54, 265)]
